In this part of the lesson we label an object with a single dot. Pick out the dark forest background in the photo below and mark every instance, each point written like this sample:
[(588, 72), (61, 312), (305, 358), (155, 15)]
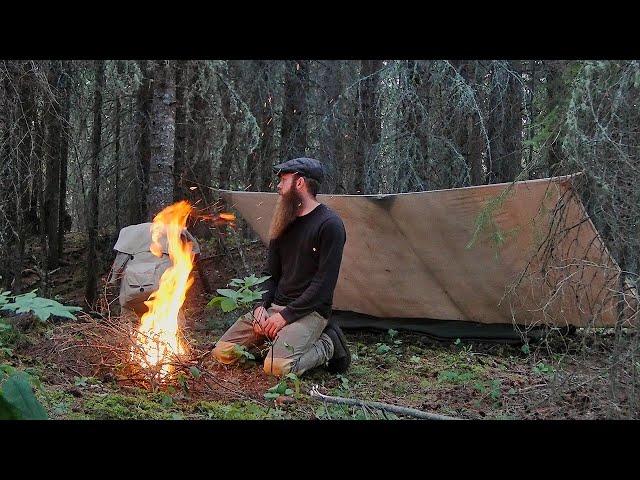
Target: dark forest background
[(92, 146)]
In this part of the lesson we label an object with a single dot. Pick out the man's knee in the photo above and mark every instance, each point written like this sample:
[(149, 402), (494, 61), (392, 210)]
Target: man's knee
[(225, 352), (278, 366)]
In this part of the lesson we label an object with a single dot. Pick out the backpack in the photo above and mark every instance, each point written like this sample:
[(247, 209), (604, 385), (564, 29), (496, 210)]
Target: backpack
[(139, 270)]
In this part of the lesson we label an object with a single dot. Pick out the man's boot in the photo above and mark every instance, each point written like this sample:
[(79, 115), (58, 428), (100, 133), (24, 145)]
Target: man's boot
[(341, 359)]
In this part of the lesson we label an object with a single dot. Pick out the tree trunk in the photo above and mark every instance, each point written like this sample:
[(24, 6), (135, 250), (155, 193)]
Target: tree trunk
[(64, 219), (263, 157), (294, 116), (6, 121), (92, 223), (331, 136), (163, 132), (139, 171), (505, 123), (368, 122), (53, 156), (116, 159), (23, 158), (229, 150), (182, 75), (556, 95), (470, 128)]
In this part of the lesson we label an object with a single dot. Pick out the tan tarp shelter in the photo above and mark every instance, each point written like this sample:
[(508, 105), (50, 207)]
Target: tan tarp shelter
[(408, 255)]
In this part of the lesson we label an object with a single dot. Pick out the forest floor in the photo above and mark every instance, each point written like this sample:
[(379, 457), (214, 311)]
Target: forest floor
[(558, 378)]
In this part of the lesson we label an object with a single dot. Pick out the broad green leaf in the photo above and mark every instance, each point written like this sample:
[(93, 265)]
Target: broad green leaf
[(195, 372), (18, 392), (8, 369), (228, 305), (214, 301), (226, 292), (250, 281), (43, 308), (7, 411), (288, 391)]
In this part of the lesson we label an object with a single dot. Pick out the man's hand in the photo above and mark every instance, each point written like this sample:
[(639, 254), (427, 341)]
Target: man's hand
[(260, 316), (273, 325)]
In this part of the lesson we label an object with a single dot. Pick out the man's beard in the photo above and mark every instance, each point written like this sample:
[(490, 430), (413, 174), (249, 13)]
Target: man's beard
[(287, 208)]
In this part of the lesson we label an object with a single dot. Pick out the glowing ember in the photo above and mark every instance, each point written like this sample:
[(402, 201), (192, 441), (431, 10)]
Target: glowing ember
[(218, 218), (158, 333)]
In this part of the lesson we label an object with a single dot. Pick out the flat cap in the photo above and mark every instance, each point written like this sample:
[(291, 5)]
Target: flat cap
[(307, 167)]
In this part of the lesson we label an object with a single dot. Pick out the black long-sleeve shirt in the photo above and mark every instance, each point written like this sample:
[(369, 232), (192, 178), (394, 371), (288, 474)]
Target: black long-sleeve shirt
[(304, 263)]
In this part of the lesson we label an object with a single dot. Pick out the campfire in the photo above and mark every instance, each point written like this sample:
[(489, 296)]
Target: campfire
[(159, 336), (159, 341)]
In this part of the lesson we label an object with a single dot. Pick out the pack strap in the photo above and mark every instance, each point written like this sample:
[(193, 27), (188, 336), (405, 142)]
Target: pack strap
[(117, 267)]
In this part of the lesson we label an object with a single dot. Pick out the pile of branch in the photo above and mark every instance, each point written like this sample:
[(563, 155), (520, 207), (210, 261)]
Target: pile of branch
[(108, 347)]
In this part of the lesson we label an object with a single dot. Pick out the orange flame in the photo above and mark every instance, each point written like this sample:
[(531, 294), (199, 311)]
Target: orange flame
[(219, 218), (158, 334)]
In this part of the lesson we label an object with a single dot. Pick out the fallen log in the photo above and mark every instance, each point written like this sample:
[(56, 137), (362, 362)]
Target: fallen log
[(411, 412)]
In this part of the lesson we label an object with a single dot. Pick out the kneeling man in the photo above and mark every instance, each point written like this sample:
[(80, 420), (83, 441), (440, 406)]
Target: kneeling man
[(306, 239)]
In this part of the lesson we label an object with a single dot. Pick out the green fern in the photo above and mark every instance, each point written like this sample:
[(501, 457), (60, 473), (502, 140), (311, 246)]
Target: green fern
[(43, 308)]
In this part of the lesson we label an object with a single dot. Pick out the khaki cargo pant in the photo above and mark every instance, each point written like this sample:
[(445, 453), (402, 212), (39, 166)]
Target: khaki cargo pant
[(299, 346)]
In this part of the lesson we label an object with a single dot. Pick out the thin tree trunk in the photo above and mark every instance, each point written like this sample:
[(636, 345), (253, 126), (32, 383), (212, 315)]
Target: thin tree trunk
[(182, 74), (294, 116), (42, 212), (142, 157), (163, 130), (24, 154), (92, 223), (264, 156), (505, 123), (331, 137), (53, 155), (470, 128), (368, 121), (116, 160), (6, 123), (229, 149), (64, 219), (556, 95)]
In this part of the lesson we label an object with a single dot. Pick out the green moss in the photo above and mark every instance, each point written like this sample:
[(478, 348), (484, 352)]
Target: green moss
[(57, 402), (456, 377), (426, 383), (121, 407), (232, 411)]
